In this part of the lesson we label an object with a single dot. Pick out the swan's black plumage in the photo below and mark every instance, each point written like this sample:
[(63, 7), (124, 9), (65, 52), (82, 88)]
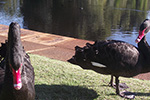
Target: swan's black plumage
[(119, 58), (113, 53), (15, 59)]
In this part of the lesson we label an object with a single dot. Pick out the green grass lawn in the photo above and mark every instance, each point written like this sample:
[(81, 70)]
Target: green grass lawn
[(58, 80)]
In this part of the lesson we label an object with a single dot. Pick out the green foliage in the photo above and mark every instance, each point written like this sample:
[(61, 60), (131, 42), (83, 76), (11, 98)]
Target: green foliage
[(57, 80)]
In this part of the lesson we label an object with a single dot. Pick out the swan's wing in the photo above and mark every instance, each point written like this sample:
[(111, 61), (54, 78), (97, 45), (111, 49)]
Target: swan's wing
[(116, 53)]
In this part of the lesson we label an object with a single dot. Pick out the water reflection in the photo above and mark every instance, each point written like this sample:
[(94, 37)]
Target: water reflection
[(86, 19), (10, 11)]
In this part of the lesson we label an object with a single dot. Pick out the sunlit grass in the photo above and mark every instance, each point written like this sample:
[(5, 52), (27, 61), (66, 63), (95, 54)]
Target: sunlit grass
[(58, 80)]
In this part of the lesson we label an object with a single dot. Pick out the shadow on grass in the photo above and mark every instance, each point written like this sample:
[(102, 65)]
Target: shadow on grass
[(64, 92), (141, 94), (136, 94)]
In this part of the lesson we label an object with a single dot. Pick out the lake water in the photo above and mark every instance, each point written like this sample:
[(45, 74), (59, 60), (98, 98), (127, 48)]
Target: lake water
[(84, 19)]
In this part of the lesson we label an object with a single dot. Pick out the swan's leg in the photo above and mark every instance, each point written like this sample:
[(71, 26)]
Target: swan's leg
[(117, 85), (124, 94), (121, 85), (111, 82)]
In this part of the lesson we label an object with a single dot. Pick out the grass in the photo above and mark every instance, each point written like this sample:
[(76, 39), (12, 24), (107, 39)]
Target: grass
[(58, 80)]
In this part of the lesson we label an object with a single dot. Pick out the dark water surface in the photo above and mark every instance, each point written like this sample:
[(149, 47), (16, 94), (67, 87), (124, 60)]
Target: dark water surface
[(84, 19)]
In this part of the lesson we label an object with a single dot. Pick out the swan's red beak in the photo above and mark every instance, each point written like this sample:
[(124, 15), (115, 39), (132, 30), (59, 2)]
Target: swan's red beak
[(141, 35), (17, 79)]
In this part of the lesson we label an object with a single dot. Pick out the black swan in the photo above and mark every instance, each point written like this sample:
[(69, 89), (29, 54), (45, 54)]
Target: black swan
[(116, 58), (16, 71)]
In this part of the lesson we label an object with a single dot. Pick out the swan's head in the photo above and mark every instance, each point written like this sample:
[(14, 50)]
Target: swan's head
[(82, 57), (15, 51), (144, 29), (79, 56)]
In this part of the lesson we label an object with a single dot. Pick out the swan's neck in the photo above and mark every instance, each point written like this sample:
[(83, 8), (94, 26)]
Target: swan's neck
[(14, 42), (144, 49), (15, 50)]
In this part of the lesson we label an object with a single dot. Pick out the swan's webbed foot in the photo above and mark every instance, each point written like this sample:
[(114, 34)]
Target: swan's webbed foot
[(127, 95), (124, 94), (122, 86)]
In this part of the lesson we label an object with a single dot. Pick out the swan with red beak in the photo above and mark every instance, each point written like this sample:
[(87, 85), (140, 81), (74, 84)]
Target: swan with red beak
[(144, 29), (16, 71), (15, 52), (116, 58)]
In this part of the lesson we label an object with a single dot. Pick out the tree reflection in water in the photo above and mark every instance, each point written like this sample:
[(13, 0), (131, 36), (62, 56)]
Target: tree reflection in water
[(85, 19)]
